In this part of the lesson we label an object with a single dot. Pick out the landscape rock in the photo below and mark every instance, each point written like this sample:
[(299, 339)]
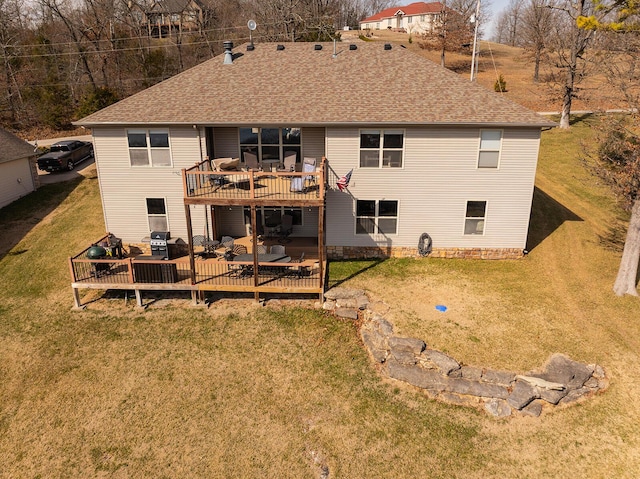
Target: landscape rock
[(592, 383), (422, 378), (561, 369), (374, 345), (476, 388), (458, 399), (445, 364), (522, 394), (378, 307), (534, 408), (347, 313), (471, 372), (382, 325), (346, 303), (412, 345), (362, 302), (575, 395), (598, 371), (498, 377), (342, 293), (552, 396), (329, 305), (404, 357), (498, 408), (541, 383)]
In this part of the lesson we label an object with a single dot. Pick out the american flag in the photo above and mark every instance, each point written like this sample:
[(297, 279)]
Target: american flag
[(343, 182)]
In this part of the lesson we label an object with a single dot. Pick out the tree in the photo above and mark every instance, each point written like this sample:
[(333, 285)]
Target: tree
[(537, 22), (618, 163), (618, 158)]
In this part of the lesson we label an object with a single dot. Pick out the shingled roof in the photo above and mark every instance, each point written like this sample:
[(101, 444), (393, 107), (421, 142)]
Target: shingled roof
[(13, 148), (305, 86)]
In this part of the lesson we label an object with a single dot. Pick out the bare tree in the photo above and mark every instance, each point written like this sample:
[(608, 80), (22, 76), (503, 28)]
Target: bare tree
[(537, 21), (570, 44)]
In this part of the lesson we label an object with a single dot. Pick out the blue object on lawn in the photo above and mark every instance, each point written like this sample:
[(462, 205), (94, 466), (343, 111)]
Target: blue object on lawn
[(441, 307)]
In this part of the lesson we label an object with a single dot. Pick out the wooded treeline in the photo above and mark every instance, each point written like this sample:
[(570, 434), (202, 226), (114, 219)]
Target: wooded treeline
[(63, 59)]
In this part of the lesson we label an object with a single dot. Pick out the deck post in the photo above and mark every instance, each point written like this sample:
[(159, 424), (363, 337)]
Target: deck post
[(192, 261), (76, 298), (254, 245), (321, 246), (138, 298), (73, 273)]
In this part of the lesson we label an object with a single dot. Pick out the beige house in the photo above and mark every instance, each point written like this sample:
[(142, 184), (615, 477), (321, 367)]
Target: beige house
[(428, 153), (417, 17), (18, 175)]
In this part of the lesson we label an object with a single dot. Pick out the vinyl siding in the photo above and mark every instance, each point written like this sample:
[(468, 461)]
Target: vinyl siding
[(10, 173), (226, 143), (438, 177), (124, 188)]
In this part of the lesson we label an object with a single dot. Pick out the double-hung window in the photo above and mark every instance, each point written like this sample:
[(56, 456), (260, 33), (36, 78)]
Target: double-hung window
[(157, 214), (149, 147), (381, 148), (490, 145), (474, 217), (376, 217), (271, 144)]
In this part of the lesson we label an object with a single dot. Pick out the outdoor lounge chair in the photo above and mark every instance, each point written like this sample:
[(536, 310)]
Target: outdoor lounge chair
[(309, 166), (226, 245), (289, 161), (251, 161)]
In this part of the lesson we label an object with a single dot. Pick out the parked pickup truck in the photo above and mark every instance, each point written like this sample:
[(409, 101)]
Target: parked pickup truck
[(65, 155)]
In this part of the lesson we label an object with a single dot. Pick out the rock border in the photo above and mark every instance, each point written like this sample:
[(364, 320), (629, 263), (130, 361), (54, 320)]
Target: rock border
[(561, 381)]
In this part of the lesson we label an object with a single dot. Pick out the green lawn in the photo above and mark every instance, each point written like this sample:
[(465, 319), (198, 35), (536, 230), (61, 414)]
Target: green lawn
[(239, 390)]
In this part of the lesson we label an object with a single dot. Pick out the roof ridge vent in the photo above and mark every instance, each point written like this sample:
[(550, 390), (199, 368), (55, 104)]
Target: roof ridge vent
[(387, 46), (317, 46), (228, 54), (353, 46), (280, 47)]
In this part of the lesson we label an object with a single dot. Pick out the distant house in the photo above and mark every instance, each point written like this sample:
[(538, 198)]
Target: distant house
[(428, 152), (164, 18), (418, 17), (18, 174)]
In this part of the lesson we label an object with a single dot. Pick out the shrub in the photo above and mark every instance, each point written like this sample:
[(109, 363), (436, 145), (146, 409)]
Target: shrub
[(500, 85)]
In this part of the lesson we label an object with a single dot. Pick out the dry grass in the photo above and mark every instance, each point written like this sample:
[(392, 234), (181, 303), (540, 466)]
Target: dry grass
[(237, 390)]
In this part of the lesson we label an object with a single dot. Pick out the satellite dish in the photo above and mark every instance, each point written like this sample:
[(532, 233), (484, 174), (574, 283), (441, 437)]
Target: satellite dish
[(252, 25)]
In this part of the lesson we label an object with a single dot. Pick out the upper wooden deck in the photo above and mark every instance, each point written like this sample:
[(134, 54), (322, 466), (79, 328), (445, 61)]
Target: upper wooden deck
[(276, 188)]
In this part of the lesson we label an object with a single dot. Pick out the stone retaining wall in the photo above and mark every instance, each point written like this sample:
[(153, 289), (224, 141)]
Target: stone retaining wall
[(365, 252), (560, 381)]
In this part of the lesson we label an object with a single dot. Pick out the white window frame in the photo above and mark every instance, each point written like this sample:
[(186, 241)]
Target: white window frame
[(283, 211), (380, 150), (376, 217), (475, 225), (148, 148), (488, 145), (282, 146), (157, 215)]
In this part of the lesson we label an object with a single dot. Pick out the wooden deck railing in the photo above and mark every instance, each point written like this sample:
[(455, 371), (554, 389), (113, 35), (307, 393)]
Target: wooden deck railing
[(214, 274), (200, 182)]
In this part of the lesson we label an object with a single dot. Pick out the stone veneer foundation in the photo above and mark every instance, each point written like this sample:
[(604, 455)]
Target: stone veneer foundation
[(366, 252)]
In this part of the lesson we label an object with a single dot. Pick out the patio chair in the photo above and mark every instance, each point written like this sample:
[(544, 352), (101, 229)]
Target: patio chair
[(289, 161), (297, 269), (277, 249), (198, 240), (309, 166), (251, 161), (286, 228), (226, 244), (220, 165)]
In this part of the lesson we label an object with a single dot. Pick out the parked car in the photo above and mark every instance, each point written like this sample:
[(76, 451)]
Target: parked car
[(65, 155)]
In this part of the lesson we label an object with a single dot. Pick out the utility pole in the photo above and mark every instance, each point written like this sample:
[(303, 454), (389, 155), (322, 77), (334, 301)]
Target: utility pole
[(474, 54)]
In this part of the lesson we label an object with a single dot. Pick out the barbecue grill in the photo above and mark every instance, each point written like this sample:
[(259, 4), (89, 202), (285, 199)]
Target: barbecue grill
[(159, 241)]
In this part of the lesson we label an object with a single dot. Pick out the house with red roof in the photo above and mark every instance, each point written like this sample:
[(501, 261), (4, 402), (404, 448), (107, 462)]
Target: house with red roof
[(319, 150), (417, 17)]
